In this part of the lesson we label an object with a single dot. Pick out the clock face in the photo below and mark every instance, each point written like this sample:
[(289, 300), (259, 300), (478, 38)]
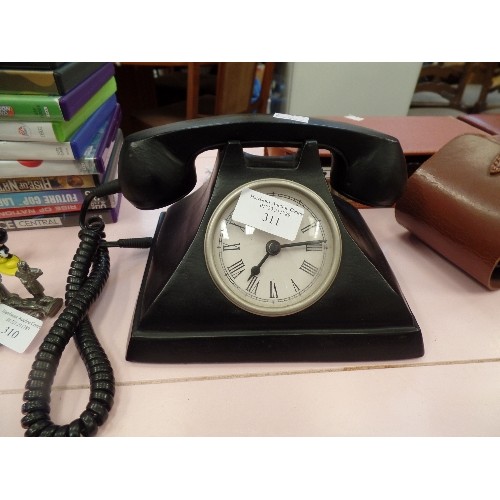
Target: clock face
[(273, 247)]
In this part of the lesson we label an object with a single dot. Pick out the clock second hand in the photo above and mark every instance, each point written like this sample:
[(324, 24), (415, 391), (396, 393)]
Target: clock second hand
[(273, 247)]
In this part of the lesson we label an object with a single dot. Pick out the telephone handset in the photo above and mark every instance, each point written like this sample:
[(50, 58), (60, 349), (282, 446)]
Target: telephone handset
[(261, 263), (157, 165)]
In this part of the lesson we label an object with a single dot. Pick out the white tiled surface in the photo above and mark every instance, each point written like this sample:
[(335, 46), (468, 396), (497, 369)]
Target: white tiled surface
[(454, 390)]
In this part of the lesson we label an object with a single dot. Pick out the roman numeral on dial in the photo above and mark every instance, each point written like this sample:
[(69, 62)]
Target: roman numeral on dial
[(236, 269), (253, 284), (273, 291), (317, 246), (308, 268), (232, 246), (310, 226), (229, 220)]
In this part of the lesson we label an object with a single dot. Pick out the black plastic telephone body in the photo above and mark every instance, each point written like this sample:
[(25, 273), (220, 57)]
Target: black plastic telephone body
[(180, 314)]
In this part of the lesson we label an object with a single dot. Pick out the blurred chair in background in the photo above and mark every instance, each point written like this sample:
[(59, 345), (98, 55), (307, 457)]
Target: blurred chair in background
[(452, 88), (493, 96), (232, 93)]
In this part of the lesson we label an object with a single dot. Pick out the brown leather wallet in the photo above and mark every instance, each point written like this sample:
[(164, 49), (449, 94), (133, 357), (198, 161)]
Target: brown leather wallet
[(452, 203)]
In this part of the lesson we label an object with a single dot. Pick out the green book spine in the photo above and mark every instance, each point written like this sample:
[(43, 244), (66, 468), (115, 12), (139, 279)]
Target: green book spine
[(64, 130), (46, 108), (39, 107)]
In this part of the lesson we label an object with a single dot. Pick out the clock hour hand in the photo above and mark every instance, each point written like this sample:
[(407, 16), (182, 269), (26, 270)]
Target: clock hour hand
[(272, 248), (256, 269)]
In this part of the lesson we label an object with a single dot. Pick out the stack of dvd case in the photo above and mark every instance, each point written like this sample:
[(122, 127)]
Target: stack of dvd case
[(60, 136)]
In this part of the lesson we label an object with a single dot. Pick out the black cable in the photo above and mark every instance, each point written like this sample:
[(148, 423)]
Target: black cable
[(87, 276)]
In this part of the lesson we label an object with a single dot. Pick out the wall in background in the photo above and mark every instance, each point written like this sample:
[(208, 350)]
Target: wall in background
[(362, 89)]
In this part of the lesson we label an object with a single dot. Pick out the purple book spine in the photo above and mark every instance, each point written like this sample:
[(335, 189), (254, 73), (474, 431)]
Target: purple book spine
[(108, 137), (76, 98)]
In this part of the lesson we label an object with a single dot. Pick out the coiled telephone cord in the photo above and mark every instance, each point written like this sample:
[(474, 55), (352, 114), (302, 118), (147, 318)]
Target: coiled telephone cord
[(82, 288), (87, 276)]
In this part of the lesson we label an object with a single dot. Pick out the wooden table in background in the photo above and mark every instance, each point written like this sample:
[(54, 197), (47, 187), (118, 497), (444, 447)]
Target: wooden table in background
[(419, 136), (486, 122)]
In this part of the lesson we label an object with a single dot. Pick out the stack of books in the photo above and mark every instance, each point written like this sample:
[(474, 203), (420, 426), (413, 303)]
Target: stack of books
[(60, 136)]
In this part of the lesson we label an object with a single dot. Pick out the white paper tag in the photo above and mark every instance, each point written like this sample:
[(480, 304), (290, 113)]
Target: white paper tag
[(267, 213), (294, 118), (354, 117), (17, 329)]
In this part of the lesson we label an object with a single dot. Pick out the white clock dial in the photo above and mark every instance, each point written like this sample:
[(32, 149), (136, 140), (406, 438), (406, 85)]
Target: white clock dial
[(262, 272)]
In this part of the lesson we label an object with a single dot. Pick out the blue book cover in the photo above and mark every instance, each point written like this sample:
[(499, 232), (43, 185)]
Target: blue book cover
[(82, 138), (46, 198), (102, 141)]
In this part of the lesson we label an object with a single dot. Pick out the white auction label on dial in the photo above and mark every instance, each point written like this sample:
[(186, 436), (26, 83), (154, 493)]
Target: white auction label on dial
[(17, 329), (268, 213)]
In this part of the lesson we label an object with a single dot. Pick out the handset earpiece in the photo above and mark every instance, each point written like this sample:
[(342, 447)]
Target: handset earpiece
[(151, 176)]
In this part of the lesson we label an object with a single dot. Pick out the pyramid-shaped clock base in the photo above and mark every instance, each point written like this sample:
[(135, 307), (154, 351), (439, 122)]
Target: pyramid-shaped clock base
[(182, 317), (363, 318)]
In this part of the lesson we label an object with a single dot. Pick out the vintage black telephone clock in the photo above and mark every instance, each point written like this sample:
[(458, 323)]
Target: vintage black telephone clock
[(261, 263), (219, 287)]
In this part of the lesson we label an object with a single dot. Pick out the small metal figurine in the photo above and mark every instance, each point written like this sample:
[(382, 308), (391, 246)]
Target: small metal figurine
[(40, 305)]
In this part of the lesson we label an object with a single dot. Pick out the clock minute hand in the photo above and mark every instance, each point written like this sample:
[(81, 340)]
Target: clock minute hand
[(273, 247), (300, 243)]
